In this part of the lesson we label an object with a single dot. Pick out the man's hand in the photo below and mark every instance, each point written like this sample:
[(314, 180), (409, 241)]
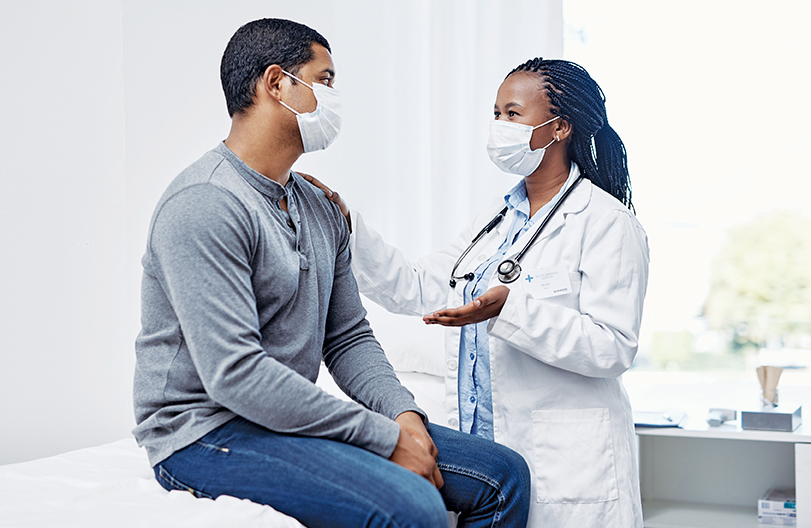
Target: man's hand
[(332, 195), (415, 449), (482, 308)]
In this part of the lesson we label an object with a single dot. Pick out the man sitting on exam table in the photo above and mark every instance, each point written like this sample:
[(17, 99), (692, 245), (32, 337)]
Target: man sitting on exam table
[(247, 286)]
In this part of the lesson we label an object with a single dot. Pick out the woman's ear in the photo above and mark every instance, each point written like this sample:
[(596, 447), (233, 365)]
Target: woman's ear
[(563, 129)]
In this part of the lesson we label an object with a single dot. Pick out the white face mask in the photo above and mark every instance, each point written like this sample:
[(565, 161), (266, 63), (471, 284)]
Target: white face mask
[(320, 127), (509, 148)]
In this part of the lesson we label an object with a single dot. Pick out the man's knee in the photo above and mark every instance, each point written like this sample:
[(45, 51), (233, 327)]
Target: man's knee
[(511, 459), (516, 470), (418, 506)]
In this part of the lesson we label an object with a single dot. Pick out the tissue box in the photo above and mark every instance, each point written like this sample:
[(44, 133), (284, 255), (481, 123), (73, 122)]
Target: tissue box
[(778, 507), (782, 418)]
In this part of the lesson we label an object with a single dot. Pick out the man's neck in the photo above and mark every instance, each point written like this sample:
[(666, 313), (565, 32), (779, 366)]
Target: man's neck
[(269, 154)]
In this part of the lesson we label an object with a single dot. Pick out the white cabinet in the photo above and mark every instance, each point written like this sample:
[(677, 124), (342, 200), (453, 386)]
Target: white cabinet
[(712, 477)]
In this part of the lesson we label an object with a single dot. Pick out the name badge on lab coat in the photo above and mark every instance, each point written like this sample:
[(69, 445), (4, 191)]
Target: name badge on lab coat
[(547, 282)]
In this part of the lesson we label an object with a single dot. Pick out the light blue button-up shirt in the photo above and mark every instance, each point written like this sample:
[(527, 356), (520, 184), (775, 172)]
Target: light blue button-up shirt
[(475, 396)]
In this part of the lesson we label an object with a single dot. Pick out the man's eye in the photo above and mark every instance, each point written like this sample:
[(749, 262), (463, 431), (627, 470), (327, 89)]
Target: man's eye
[(496, 115), (512, 113)]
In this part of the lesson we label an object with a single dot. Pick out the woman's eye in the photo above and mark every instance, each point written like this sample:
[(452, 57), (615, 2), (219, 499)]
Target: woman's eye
[(496, 115), (512, 114)]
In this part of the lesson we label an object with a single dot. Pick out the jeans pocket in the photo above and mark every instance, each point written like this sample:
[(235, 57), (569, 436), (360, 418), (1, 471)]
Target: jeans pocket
[(219, 449), (170, 483), (574, 456)]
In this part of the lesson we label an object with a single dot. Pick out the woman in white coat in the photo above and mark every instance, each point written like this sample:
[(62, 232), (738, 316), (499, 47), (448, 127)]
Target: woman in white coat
[(535, 364)]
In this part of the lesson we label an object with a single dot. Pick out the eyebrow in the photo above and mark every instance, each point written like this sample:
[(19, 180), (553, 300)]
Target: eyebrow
[(507, 106)]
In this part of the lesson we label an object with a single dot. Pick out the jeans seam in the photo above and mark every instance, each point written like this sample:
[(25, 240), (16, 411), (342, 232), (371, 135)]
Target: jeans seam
[(484, 478), (167, 477)]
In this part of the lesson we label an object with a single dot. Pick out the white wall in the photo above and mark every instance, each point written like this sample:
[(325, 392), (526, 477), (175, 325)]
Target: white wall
[(66, 353), (104, 102)]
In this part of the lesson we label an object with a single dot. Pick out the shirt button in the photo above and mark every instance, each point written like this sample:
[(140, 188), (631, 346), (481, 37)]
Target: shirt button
[(472, 399), (452, 364), (453, 422), (472, 356)]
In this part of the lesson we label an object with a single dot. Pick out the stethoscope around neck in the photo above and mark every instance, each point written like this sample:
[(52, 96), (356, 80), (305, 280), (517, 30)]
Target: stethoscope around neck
[(508, 270)]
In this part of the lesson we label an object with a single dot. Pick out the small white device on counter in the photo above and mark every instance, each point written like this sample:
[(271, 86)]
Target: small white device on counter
[(718, 416)]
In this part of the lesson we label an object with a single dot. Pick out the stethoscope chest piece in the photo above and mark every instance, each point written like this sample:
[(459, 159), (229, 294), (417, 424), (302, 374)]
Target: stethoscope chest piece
[(508, 271)]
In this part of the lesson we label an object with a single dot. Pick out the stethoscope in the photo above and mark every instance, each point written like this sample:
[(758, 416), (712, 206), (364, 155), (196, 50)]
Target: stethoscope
[(509, 270)]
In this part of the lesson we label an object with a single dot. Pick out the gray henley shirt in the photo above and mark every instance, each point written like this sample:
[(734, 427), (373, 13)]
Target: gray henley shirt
[(240, 303)]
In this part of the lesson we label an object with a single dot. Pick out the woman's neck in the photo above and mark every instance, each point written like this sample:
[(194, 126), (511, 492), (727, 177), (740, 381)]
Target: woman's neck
[(546, 182)]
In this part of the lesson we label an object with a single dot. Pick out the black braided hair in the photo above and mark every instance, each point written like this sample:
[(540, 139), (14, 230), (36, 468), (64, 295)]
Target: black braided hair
[(594, 145)]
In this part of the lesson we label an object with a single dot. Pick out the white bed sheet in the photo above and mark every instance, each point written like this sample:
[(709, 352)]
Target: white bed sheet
[(113, 485)]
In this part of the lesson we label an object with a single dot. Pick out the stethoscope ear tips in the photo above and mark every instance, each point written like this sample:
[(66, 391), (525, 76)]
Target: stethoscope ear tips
[(466, 276)]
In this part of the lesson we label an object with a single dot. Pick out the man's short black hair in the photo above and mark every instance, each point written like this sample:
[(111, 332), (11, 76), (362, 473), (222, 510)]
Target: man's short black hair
[(260, 44)]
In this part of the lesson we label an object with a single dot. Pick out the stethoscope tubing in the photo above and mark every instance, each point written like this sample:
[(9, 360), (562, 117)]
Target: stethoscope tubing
[(489, 227), (512, 270)]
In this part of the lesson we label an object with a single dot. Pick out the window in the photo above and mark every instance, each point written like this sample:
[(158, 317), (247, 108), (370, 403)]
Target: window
[(711, 101)]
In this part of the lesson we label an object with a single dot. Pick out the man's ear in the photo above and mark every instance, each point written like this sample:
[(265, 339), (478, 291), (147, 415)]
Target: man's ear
[(271, 81), (563, 129)]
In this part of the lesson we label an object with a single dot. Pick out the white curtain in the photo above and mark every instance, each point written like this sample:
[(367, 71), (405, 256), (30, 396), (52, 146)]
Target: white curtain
[(418, 80), (104, 102)]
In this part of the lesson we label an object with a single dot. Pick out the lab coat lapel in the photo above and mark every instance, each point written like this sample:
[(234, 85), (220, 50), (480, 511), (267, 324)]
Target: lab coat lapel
[(575, 203)]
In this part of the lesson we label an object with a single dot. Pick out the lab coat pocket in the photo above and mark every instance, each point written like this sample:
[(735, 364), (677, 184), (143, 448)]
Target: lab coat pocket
[(574, 456)]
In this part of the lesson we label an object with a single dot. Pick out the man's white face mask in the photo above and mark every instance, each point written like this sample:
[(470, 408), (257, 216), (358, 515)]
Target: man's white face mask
[(320, 127), (509, 148)]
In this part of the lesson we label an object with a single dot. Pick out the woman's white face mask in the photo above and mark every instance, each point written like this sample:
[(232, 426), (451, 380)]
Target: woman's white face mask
[(320, 127), (509, 148)]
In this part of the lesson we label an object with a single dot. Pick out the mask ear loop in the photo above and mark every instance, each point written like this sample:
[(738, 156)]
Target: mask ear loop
[(548, 144), (546, 123), (288, 107), (542, 124), (299, 80)]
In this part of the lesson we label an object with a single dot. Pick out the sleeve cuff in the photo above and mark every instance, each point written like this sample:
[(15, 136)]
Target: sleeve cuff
[(384, 435)]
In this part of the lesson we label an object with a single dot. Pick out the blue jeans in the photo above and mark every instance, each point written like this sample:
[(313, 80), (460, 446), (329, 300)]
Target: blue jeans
[(323, 482)]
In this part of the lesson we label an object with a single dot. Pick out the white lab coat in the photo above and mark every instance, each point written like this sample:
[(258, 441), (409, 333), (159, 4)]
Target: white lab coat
[(555, 362)]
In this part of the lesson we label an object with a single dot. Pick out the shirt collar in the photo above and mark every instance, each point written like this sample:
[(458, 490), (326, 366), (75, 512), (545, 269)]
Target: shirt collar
[(263, 184), (517, 197)]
